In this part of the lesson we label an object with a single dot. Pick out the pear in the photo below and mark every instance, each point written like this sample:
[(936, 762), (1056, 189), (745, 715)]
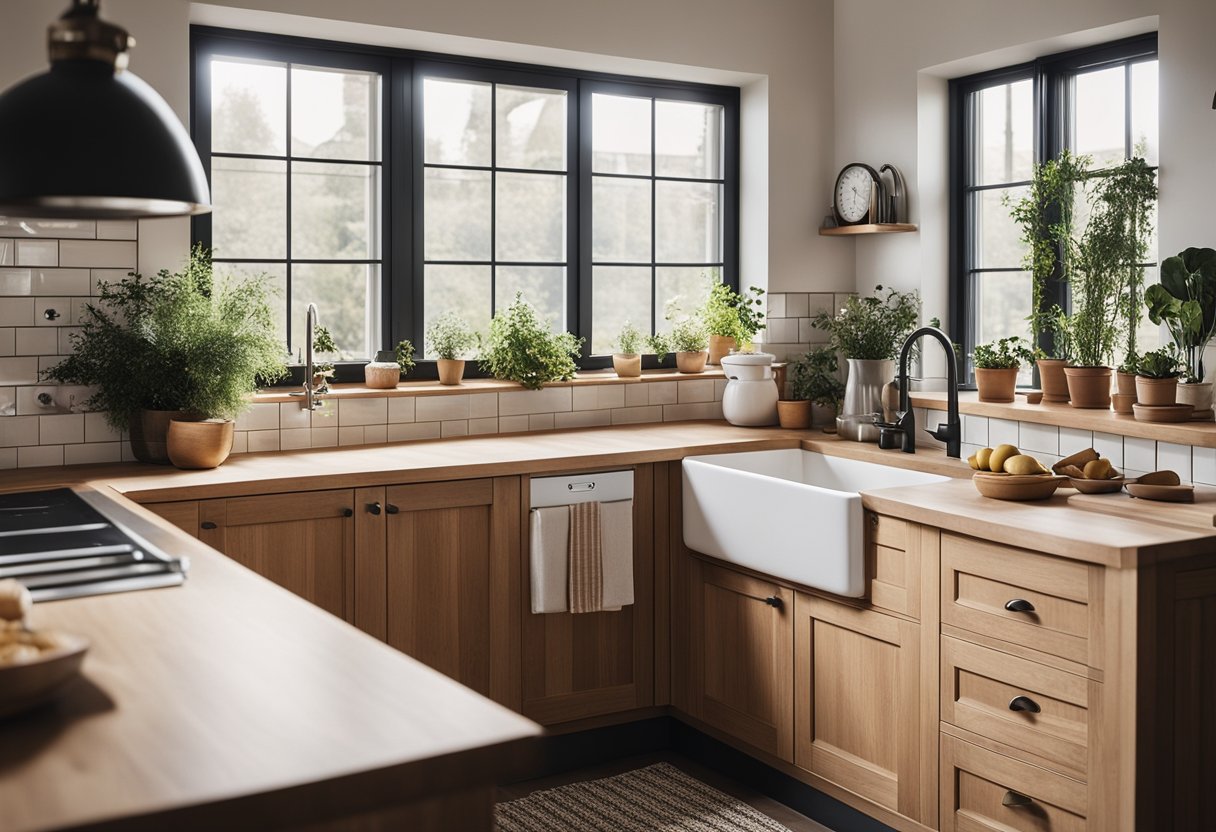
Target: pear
[(996, 461)]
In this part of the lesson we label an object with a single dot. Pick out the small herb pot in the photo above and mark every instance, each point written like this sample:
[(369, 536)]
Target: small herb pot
[(451, 370), (1125, 384), (719, 346), (691, 362), (627, 365), (200, 444), (996, 385), (1122, 403), (1156, 391), (1088, 387), (794, 414), (1052, 380)]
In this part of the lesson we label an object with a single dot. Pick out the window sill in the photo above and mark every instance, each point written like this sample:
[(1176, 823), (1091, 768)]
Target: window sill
[(1201, 434), (478, 385)]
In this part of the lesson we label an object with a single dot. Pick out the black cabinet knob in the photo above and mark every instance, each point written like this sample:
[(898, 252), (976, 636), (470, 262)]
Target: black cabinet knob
[(348, 512), (1014, 799), (1024, 703), (373, 508), (391, 509), (1019, 605), (774, 602), (207, 524)]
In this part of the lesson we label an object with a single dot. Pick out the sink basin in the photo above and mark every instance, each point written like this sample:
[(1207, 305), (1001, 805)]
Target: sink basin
[(791, 514)]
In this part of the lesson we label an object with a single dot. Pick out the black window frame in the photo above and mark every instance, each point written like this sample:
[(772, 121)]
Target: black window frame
[(1052, 78), (402, 73)]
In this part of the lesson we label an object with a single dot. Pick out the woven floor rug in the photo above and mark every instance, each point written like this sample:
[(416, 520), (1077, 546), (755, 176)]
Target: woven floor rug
[(658, 798)]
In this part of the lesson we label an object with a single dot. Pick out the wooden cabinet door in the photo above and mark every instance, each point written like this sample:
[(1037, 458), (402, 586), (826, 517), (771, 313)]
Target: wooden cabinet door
[(303, 542), (184, 514), (452, 575), (741, 656), (860, 706), (577, 666)]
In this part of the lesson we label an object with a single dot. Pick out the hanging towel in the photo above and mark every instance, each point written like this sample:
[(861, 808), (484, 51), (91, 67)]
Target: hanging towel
[(586, 559), (616, 544), (548, 558)]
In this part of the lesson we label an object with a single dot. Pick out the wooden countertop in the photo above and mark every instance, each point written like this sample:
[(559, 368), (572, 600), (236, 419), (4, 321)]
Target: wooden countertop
[(230, 697)]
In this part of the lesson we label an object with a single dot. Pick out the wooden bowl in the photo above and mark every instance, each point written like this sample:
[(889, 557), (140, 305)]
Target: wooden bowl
[(1162, 493), (25, 685), (1011, 487), (200, 445), (1087, 486), (1162, 412)]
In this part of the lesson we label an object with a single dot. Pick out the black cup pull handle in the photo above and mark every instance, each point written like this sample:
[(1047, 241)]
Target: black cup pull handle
[(1024, 703), (1014, 800), (774, 602), (348, 512), (208, 525), (1019, 605), (391, 509), (373, 508)]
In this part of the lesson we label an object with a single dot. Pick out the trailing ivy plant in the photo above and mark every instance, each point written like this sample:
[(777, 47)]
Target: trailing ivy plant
[(732, 314), (521, 347), (815, 377), (181, 341), (873, 327), (404, 353)]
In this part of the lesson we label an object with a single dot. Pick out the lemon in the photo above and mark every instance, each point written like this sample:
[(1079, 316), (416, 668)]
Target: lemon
[(996, 462), (981, 456), (1022, 465)]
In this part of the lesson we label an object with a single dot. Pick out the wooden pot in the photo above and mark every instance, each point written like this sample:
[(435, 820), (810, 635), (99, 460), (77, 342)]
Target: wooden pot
[(720, 345), (627, 365), (691, 362), (1052, 380), (794, 414), (1156, 391), (150, 433), (996, 385), (1125, 384), (1088, 387), (200, 444), (451, 370)]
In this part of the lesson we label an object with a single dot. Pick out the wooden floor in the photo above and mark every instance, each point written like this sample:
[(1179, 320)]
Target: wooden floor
[(778, 812)]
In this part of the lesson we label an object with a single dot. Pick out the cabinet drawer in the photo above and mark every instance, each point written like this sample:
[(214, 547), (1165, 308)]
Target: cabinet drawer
[(1036, 601), (888, 531), (985, 792), (1018, 702)]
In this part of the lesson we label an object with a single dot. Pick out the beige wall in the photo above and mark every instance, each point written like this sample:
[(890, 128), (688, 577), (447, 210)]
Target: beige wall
[(778, 51)]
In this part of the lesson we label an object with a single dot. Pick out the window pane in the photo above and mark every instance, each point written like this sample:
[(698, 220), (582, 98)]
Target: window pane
[(531, 217), (348, 305), (620, 134), (543, 286), (1148, 334), (464, 290), (456, 122), (1099, 116), (618, 294), (531, 128), (1002, 302), (688, 139), (277, 272), (1005, 127), (688, 222), (620, 213), (248, 107), (1145, 136), (686, 286), (337, 114), (335, 211), (249, 208), (998, 238), (456, 212)]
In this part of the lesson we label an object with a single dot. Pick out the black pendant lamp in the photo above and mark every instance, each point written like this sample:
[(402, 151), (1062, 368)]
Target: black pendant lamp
[(87, 139)]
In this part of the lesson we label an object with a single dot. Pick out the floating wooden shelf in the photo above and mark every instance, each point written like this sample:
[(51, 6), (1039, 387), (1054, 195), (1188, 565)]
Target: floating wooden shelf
[(873, 228)]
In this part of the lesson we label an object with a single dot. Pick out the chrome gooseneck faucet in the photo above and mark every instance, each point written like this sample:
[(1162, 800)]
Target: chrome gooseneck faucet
[(310, 401), (903, 429)]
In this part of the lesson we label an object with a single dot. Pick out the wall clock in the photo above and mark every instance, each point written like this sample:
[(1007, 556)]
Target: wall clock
[(855, 198)]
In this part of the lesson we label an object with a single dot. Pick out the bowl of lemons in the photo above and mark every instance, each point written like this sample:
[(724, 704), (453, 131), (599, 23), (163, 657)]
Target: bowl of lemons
[(1089, 473), (1005, 473)]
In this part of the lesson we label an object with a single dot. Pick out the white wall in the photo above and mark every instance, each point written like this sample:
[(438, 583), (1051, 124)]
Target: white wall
[(778, 51)]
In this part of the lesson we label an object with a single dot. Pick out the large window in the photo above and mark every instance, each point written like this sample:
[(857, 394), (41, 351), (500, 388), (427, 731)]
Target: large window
[(1098, 102), (389, 188)]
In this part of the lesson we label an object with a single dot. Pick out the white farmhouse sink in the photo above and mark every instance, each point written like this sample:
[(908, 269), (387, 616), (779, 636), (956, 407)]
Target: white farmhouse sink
[(791, 514)]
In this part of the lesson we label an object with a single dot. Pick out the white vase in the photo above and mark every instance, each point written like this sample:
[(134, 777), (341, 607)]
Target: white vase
[(1197, 395), (750, 398)]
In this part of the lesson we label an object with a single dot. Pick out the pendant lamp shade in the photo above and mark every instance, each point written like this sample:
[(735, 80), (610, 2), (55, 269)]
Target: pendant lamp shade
[(87, 139)]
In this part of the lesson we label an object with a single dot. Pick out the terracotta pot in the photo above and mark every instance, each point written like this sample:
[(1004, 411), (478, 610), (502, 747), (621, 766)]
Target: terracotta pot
[(1125, 383), (720, 345), (1156, 391), (200, 444), (1052, 380), (1197, 394), (794, 414), (451, 370), (627, 365), (996, 385), (691, 362), (1122, 403), (150, 432), (1088, 387)]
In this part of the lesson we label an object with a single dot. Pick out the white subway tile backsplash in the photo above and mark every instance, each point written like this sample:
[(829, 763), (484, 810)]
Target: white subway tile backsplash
[(18, 431), (583, 419), (49, 228), (662, 392), (483, 406), (1042, 438), (523, 402), (1171, 457), (442, 408), (15, 282), (797, 305), (32, 340), (697, 410), (458, 427), (350, 435), (375, 434), (401, 410), (37, 252), (294, 439), (975, 430), (512, 424), (783, 330), (92, 453), (1002, 432), (352, 412), (7, 253), (39, 456), (699, 390), (294, 417), (1109, 446), (61, 430), (637, 395), (637, 415), (8, 401), (486, 425), (1140, 454), (23, 370), (8, 458), (63, 282), (117, 229), (57, 311), (259, 417), (263, 440), (17, 312), (1073, 440), (776, 305), (413, 430), (97, 429), (98, 254), (8, 341), (324, 437), (1203, 465), (541, 421)]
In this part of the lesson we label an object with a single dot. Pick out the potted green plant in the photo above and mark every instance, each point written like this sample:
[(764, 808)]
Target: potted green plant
[(1045, 216), (688, 341), (630, 344), (171, 347), (731, 318), (450, 339), (1157, 377), (815, 383), (996, 368), (1185, 301), (869, 333), (521, 347)]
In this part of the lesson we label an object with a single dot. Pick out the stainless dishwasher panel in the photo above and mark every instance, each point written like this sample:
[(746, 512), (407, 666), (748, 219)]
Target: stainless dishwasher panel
[(605, 487)]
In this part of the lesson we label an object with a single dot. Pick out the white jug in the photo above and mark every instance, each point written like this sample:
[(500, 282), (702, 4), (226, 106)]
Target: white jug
[(750, 399)]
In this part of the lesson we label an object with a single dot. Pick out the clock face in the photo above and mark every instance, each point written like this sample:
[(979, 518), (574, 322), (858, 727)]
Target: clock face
[(853, 193)]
